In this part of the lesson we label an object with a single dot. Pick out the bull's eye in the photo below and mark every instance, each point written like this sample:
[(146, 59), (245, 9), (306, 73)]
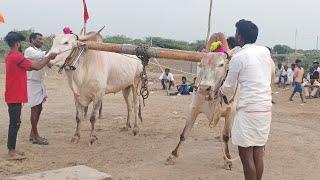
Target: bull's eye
[(66, 43), (221, 65)]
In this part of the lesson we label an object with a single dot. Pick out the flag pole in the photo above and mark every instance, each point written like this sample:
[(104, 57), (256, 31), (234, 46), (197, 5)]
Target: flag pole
[(84, 28), (85, 17)]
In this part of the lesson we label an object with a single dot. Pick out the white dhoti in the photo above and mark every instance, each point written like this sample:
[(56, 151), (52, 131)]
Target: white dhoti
[(251, 128), (37, 93)]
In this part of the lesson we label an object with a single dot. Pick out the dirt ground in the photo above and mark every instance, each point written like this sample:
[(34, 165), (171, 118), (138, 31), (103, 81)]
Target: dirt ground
[(293, 150)]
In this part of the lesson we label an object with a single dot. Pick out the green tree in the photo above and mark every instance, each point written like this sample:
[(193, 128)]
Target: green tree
[(282, 49)]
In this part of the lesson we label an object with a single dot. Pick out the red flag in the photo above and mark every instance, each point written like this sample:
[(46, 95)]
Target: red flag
[(85, 12)]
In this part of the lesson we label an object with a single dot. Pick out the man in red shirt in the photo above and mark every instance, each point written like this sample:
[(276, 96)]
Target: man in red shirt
[(16, 86)]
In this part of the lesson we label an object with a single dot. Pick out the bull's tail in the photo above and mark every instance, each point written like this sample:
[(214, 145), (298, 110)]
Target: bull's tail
[(139, 113)]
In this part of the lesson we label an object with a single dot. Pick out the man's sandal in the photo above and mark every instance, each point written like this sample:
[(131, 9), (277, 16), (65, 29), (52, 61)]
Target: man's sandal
[(40, 141)]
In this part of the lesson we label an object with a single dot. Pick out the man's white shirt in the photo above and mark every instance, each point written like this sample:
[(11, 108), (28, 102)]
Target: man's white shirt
[(252, 68), (35, 54), (167, 77)]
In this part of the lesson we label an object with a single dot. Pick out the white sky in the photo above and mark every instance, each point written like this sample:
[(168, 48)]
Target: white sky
[(177, 19)]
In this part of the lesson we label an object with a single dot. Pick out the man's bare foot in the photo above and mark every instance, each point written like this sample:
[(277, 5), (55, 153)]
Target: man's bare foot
[(15, 155), (290, 99)]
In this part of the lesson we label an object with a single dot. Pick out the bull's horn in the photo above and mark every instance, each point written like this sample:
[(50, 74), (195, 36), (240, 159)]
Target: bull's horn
[(87, 37), (101, 29)]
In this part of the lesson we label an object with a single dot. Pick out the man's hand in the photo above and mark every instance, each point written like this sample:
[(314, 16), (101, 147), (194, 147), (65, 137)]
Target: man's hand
[(52, 56), (37, 65)]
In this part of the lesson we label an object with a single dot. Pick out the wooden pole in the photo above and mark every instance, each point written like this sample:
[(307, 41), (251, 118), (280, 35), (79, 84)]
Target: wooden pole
[(153, 52), (317, 45), (209, 23)]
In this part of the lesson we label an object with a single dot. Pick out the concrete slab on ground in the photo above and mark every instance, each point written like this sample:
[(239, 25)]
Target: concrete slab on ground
[(70, 173)]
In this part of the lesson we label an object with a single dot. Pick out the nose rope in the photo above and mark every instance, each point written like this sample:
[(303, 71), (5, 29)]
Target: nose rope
[(73, 57)]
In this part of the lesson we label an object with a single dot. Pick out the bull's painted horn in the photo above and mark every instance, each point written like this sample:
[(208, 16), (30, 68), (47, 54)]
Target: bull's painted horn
[(101, 29)]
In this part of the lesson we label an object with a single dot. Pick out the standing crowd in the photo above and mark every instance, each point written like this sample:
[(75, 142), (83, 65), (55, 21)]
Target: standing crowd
[(306, 84)]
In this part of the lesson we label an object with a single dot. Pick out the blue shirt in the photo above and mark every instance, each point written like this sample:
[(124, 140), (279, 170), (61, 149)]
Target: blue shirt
[(184, 89)]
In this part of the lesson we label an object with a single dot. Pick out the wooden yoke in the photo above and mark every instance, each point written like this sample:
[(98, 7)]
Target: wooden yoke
[(153, 52)]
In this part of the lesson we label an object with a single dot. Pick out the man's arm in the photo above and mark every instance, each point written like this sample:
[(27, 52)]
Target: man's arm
[(273, 75), (37, 65), (31, 53), (230, 84)]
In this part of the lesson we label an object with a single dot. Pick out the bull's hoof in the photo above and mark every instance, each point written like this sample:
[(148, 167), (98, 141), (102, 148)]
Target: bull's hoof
[(135, 131), (124, 129), (100, 117), (170, 160), (93, 139), (75, 139)]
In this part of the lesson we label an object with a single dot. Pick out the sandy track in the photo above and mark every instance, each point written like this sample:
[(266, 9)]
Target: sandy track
[(293, 151)]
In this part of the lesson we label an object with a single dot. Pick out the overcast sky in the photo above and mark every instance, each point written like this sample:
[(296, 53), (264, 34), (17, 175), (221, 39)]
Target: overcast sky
[(178, 19)]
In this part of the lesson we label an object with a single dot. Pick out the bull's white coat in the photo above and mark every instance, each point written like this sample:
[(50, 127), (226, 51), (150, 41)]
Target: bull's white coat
[(98, 73)]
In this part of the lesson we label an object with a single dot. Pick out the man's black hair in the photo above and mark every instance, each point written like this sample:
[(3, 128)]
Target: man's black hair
[(231, 42), (298, 61), (248, 31), (315, 62), (13, 37), (184, 78), (34, 36)]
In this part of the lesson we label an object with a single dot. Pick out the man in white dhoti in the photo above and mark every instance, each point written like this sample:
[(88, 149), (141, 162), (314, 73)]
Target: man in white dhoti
[(36, 89), (251, 68)]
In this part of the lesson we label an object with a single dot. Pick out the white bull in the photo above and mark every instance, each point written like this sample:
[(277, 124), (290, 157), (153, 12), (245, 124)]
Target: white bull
[(207, 100), (98, 73)]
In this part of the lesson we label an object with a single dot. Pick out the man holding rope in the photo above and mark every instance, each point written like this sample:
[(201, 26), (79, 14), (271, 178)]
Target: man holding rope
[(251, 68)]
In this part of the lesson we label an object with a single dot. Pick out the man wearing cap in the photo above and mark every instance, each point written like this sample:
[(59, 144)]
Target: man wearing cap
[(16, 86)]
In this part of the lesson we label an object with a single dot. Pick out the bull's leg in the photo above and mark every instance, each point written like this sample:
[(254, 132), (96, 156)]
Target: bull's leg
[(79, 117), (93, 118), (187, 128), (100, 111), (85, 111), (225, 137), (126, 94), (136, 109)]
